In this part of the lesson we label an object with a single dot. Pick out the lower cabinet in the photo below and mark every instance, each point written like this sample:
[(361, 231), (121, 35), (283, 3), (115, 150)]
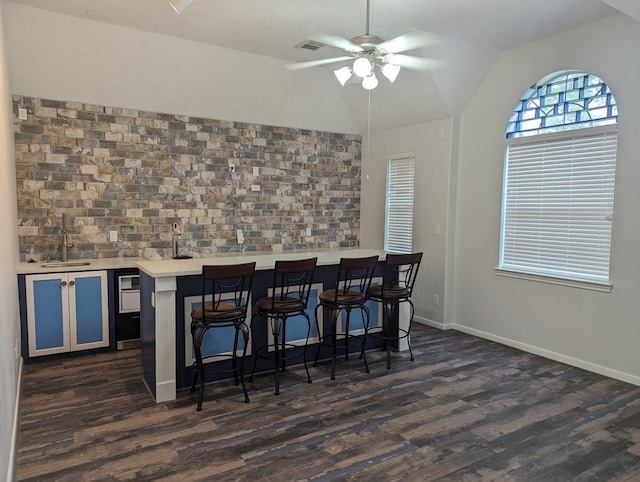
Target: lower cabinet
[(67, 312)]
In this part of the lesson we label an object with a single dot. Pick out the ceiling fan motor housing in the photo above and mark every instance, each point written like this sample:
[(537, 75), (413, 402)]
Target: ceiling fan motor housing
[(367, 41)]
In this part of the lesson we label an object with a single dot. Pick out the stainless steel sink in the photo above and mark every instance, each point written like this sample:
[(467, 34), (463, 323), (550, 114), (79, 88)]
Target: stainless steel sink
[(63, 264)]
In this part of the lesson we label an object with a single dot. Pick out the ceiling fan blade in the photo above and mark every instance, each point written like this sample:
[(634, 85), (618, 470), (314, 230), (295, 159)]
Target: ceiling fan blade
[(413, 39), (414, 63), (316, 63), (337, 41)]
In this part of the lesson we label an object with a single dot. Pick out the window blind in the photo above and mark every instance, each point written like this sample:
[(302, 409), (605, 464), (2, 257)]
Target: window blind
[(399, 210), (558, 205)]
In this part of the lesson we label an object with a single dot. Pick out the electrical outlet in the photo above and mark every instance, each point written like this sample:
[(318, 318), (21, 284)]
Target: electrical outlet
[(113, 236), (239, 236), (308, 231), (436, 300)]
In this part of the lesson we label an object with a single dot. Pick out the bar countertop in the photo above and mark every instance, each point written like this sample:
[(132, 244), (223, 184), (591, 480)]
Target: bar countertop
[(93, 265), (264, 261)]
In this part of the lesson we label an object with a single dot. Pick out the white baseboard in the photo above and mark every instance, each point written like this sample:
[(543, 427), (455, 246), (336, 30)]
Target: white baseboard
[(15, 433), (559, 357), (428, 322)]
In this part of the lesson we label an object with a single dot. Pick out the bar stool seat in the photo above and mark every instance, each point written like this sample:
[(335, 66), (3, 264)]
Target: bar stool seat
[(350, 293), (226, 290), (291, 287), (400, 273)]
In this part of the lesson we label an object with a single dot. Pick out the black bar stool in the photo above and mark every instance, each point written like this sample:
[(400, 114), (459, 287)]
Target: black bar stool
[(354, 279), (400, 272), (226, 290), (291, 287)]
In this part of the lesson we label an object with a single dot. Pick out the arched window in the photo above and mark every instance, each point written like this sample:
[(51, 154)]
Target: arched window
[(559, 175)]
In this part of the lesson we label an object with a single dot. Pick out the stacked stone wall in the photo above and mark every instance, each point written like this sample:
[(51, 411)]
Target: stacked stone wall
[(137, 173)]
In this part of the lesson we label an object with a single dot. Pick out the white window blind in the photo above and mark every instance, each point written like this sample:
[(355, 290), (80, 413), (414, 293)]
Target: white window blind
[(399, 213), (558, 205)]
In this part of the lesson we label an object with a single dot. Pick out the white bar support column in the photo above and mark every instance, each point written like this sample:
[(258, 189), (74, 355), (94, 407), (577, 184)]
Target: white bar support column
[(165, 311)]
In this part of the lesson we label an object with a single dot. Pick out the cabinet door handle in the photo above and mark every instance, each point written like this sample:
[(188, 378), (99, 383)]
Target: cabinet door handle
[(64, 283), (71, 283)]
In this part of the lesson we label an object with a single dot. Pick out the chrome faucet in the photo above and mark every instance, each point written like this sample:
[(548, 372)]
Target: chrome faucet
[(65, 242), (176, 242)]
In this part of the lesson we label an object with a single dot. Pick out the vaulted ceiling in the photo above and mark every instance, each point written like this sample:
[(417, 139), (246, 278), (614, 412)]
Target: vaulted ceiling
[(470, 35)]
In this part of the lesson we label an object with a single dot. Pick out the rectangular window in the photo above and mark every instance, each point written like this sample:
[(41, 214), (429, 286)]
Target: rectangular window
[(558, 205), (398, 237)]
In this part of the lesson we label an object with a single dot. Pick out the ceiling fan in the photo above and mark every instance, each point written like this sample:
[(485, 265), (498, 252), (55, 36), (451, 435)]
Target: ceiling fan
[(369, 52)]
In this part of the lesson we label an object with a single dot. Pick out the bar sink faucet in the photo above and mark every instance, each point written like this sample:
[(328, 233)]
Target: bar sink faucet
[(65, 241), (177, 236), (176, 242)]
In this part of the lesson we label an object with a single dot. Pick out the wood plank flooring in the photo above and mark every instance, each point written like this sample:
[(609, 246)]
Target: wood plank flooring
[(465, 409)]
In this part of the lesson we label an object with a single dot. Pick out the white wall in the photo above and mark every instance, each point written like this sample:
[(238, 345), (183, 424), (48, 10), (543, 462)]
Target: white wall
[(431, 144), (10, 361), (595, 330), (121, 67)]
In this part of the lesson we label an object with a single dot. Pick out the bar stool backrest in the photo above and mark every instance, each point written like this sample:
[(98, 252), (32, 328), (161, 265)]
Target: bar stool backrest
[(400, 272), (229, 287), (292, 281), (354, 277)]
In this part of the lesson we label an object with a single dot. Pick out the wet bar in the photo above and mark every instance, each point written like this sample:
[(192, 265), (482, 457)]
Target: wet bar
[(169, 287)]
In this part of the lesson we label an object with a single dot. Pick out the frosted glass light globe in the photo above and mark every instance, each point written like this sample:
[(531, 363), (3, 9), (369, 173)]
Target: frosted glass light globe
[(370, 82), (362, 67)]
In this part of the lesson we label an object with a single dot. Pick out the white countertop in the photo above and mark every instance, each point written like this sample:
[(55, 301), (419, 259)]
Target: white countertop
[(186, 267), (95, 264)]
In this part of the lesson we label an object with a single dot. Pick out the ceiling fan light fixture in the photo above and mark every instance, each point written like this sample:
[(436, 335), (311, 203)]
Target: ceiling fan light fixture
[(362, 67), (343, 74), (370, 82), (179, 5), (390, 71)]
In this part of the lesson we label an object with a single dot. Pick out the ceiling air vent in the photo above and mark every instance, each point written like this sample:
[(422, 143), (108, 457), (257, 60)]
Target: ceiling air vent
[(310, 45)]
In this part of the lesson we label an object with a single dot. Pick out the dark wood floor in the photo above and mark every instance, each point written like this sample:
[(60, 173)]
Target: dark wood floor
[(465, 409)]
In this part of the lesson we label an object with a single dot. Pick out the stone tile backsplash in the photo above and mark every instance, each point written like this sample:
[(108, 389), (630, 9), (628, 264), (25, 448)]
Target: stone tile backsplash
[(136, 172)]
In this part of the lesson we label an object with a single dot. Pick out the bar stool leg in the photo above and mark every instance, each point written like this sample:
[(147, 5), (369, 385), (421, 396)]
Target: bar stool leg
[(411, 313), (334, 342), (200, 365), (245, 334), (234, 363), (346, 335), (306, 344), (284, 343), (275, 329), (196, 372), (365, 324), (320, 337), (388, 313)]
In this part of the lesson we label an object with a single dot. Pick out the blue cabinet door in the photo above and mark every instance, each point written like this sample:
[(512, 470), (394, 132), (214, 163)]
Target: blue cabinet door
[(67, 312), (47, 314), (88, 310)]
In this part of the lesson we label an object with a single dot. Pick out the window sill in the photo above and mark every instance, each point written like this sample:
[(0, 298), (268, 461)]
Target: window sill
[(585, 285)]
